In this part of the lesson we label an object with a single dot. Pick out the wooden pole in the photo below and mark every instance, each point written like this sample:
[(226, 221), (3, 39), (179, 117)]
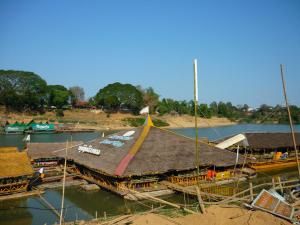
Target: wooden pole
[(280, 184), (273, 182), (63, 188), (200, 200), (290, 118), (196, 120), (251, 191)]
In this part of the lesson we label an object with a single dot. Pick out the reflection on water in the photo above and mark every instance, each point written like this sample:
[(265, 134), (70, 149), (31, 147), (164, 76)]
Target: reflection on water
[(17, 140), (83, 205)]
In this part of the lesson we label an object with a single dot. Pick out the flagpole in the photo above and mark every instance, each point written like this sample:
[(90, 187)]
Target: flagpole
[(196, 119)]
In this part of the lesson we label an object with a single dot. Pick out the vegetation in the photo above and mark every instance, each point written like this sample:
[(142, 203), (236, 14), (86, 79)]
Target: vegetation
[(77, 95), (136, 122), (22, 91), (26, 91), (58, 95), (119, 96)]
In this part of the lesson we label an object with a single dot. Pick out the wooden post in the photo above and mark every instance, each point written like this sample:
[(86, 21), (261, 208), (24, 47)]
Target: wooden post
[(96, 214), (200, 200), (251, 191), (63, 188), (104, 215), (195, 111), (273, 182), (280, 184)]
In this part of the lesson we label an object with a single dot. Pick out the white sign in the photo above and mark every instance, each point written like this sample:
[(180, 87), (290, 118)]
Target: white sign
[(89, 149), (145, 110), (42, 126), (129, 133)]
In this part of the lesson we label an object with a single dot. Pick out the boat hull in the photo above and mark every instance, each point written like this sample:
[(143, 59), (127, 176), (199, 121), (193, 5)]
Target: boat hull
[(274, 164)]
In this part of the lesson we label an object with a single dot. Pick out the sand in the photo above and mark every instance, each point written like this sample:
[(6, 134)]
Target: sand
[(215, 215)]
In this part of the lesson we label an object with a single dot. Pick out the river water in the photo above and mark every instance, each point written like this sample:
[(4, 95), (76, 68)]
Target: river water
[(84, 205)]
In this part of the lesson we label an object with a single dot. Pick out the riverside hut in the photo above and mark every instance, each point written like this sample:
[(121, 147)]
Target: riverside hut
[(144, 156), (267, 150), (15, 171)]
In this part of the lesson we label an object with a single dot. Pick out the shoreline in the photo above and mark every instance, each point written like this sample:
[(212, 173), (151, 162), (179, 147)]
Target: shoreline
[(84, 120)]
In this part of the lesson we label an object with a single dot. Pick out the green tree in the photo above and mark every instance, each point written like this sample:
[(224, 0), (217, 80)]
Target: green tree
[(20, 90), (150, 98), (116, 95), (58, 95), (204, 111), (214, 108)]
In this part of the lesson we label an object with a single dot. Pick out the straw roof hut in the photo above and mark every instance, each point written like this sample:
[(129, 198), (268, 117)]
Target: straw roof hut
[(258, 141), (271, 140), (47, 150), (14, 164), (149, 150), (8, 149)]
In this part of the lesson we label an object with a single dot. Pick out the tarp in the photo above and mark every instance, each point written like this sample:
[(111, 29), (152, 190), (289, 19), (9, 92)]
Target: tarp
[(16, 127)]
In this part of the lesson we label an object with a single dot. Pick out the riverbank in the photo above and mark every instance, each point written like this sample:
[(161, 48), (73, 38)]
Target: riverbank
[(217, 215), (84, 119)]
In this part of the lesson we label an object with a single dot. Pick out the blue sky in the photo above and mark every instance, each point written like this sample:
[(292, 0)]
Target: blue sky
[(239, 46)]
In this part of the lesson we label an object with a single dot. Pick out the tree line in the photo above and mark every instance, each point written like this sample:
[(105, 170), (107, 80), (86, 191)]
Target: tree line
[(27, 91)]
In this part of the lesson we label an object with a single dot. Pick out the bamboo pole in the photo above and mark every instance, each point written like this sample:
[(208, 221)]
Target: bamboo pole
[(196, 120), (200, 200), (280, 184), (50, 206), (147, 196), (251, 191), (290, 118), (63, 188)]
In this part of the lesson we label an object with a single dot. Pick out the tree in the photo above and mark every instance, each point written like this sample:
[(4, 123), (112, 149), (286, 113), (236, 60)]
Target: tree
[(214, 108), (115, 96), (20, 90), (150, 98), (77, 94), (204, 111), (58, 95)]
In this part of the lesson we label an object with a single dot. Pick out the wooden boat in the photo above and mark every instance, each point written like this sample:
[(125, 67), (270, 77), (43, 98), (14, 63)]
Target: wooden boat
[(274, 164)]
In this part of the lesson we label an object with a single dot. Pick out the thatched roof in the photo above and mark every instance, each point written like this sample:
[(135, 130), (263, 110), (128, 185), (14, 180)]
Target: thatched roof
[(267, 140), (47, 150), (154, 152), (271, 140), (8, 149), (14, 165)]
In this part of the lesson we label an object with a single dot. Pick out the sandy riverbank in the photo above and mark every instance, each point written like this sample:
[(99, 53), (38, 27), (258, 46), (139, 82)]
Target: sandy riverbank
[(215, 215), (98, 120)]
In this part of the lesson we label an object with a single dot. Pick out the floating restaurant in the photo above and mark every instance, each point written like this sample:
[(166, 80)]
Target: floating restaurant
[(30, 127), (140, 159)]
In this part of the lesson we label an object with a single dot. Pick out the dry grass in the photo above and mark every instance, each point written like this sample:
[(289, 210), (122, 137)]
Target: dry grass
[(97, 119)]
